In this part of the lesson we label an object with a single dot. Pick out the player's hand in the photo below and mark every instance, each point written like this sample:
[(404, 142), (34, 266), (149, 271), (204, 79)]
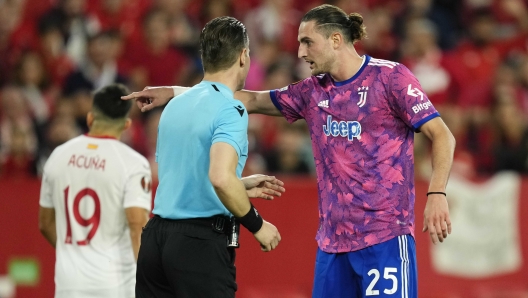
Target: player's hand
[(151, 97), (263, 186), (436, 218), (268, 236)]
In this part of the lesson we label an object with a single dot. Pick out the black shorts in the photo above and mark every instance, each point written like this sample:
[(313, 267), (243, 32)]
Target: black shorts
[(184, 259)]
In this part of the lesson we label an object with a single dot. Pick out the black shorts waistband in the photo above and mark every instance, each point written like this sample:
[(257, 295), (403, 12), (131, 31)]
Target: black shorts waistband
[(220, 223)]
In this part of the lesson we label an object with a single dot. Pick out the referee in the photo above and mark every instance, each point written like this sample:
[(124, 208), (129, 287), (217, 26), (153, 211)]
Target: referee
[(201, 151)]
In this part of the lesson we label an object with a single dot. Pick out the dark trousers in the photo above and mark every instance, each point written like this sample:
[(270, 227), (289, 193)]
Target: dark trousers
[(184, 259)]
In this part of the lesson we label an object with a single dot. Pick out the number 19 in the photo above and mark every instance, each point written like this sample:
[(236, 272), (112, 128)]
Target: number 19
[(85, 222)]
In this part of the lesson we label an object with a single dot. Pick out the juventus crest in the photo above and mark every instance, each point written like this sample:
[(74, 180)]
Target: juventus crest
[(362, 91)]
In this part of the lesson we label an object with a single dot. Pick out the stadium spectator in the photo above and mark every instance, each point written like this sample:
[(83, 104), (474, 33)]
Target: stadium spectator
[(9, 18), (18, 133), (511, 148), (59, 129), (75, 25), (436, 12), (287, 157), (275, 20), (99, 69), (32, 78), (52, 48), (262, 57), (153, 61), (123, 16), (184, 31), (473, 63), (381, 41)]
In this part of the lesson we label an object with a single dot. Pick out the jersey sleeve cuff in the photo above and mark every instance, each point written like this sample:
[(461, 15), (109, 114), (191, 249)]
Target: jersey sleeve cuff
[(273, 97), (140, 203), (417, 125), (46, 205)]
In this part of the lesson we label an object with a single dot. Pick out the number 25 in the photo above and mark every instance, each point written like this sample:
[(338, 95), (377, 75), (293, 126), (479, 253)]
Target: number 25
[(85, 222), (386, 275)]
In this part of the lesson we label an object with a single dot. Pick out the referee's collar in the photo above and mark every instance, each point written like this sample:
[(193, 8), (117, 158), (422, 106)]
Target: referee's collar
[(219, 87)]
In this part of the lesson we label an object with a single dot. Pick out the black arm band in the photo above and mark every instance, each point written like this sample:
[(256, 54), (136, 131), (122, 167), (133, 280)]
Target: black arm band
[(436, 193), (252, 220)]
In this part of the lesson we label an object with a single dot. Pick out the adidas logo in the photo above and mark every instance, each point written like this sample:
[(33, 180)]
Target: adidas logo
[(323, 104)]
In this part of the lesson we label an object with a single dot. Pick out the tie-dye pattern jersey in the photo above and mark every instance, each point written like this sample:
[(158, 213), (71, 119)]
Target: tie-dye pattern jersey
[(362, 132)]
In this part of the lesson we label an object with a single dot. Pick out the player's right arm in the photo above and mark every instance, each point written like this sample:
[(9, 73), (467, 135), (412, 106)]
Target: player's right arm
[(46, 217), (258, 102), (232, 192), (47, 224)]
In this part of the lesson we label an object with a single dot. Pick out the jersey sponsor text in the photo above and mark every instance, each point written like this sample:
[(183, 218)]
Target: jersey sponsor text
[(349, 129)]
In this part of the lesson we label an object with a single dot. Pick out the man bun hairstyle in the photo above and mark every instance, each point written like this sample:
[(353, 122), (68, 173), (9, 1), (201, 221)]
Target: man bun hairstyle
[(329, 18), (107, 101), (221, 41)]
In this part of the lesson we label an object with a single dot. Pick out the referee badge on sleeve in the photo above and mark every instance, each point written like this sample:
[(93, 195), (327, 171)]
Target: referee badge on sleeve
[(146, 184)]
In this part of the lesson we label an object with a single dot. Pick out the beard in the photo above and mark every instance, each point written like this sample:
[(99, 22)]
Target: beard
[(323, 67)]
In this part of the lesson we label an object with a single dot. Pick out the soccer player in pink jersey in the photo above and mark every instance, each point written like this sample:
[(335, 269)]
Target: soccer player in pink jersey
[(362, 113)]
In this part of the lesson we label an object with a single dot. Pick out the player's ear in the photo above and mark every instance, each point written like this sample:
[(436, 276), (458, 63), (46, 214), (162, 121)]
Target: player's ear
[(336, 39), (244, 57), (89, 119), (128, 123)]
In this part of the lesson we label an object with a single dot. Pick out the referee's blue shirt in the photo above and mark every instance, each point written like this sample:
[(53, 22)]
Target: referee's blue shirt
[(189, 125)]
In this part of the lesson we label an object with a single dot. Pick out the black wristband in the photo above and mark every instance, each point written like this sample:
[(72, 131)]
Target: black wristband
[(436, 193), (252, 220)]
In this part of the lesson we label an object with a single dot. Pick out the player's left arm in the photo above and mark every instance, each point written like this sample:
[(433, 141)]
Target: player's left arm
[(47, 224), (138, 200), (436, 213), (137, 218)]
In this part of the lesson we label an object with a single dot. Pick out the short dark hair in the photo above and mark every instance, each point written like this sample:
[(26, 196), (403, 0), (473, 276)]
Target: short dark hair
[(221, 41), (329, 18), (108, 102)]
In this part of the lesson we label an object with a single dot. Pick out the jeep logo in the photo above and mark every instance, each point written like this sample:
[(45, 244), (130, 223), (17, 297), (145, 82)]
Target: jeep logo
[(350, 129)]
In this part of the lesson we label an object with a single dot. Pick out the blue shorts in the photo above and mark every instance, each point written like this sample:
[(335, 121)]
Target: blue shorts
[(386, 269)]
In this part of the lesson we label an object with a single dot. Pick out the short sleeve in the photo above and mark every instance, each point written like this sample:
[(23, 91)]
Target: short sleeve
[(409, 101), (46, 191), (230, 126), (293, 99), (138, 186)]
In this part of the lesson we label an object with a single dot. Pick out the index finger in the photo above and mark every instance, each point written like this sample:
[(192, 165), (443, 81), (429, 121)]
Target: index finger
[(274, 180), (276, 187), (134, 95)]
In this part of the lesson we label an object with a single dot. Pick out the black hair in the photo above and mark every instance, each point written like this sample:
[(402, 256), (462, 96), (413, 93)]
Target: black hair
[(329, 18), (108, 102), (221, 41)]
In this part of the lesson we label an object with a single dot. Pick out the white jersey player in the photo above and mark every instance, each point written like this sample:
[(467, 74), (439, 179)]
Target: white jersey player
[(94, 201)]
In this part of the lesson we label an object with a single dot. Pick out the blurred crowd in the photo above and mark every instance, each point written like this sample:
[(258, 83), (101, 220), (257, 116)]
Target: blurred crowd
[(471, 57)]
